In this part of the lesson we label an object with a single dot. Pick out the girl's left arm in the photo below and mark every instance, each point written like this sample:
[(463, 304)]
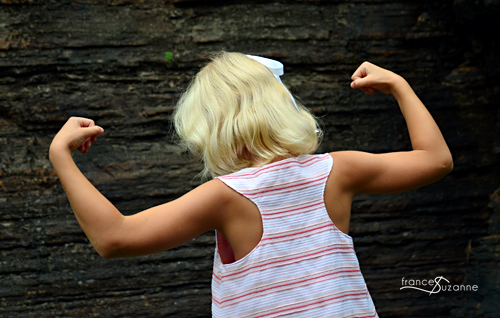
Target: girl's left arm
[(111, 233)]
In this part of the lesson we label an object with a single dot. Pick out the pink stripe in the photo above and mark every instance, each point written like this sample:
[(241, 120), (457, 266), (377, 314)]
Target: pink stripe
[(295, 233), (288, 259), (213, 273), (285, 187), (285, 215), (279, 163), (302, 207), (317, 302), (295, 237), (292, 283)]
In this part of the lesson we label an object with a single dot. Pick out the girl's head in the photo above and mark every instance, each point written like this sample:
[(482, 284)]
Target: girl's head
[(236, 114)]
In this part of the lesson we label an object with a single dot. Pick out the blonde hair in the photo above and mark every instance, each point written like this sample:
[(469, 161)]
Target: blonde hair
[(235, 113)]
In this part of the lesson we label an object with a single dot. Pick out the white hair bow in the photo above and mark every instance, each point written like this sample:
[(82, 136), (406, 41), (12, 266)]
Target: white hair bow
[(276, 68)]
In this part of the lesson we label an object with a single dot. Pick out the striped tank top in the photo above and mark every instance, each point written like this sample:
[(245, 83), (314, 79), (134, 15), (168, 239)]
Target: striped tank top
[(303, 266)]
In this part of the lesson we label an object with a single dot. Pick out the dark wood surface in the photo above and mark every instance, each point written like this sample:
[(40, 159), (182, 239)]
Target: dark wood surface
[(106, 60)]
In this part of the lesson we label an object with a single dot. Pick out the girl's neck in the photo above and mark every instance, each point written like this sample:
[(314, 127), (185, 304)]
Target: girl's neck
[(258, 163)]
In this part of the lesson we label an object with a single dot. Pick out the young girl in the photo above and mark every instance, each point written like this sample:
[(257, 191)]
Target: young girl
[(281, 214)]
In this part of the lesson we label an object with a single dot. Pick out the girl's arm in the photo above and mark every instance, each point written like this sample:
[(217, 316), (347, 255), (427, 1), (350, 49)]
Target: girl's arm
[(111, 233), (430, 160)]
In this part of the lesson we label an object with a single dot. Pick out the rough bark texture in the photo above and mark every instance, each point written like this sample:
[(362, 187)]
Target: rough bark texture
[(106, 60)]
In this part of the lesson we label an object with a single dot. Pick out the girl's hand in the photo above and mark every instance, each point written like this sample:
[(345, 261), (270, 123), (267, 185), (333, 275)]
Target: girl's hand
[(370, 79), (78, 133)]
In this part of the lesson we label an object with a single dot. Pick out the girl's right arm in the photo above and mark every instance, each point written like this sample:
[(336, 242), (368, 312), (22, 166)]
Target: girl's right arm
[(153, 230), (358, 172)]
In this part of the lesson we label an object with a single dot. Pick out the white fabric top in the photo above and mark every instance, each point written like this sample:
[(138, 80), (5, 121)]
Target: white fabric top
[(303, 266)]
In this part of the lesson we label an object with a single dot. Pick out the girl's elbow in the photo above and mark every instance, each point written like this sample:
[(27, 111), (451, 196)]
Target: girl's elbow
[(445, 166), (107, 249), (448, 164), (438, 168), (104, 253)]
